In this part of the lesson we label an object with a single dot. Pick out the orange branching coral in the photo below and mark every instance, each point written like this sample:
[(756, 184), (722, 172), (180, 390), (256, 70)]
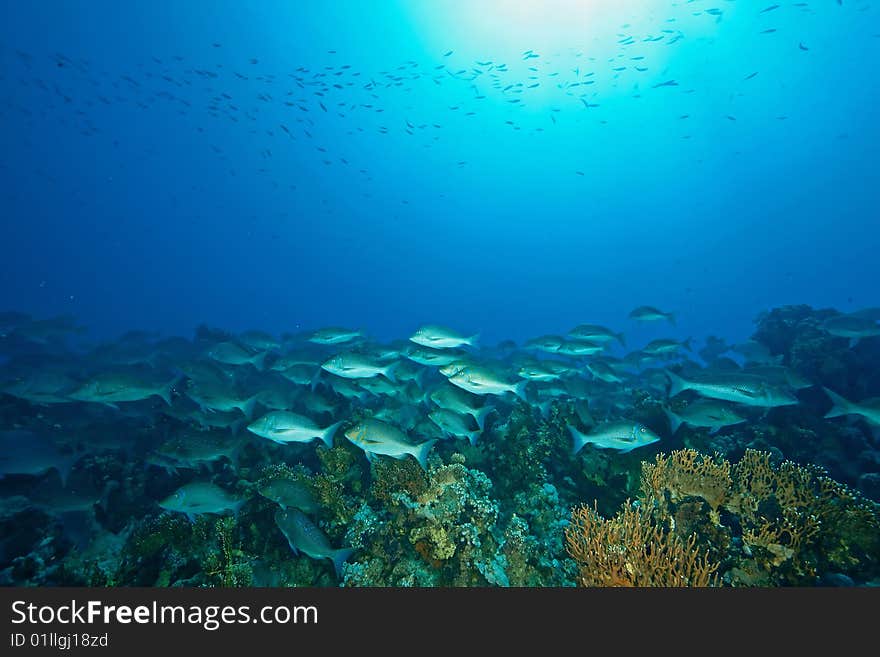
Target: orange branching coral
[(631, 549), (687, 473)]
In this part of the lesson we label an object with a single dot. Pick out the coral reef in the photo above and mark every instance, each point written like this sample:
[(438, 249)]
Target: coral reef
[(632, 549)]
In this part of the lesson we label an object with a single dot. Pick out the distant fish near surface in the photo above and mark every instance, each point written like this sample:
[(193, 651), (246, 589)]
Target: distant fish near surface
[(440, 337), (201, 497), (305, 536), (868, 408), (380, 438), (623, 436), (704, 413), (853, 327), (287, 427), (651, 314), (334, 335)]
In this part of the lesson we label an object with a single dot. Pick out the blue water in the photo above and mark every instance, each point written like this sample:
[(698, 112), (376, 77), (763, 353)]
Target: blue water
[(146, 185)]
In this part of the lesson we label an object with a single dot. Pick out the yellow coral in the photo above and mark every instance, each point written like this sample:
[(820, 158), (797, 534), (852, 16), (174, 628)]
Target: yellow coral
[(687, 473), (631, 549)]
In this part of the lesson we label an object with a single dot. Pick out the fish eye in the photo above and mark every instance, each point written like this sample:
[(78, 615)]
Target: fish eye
[(643, 429)]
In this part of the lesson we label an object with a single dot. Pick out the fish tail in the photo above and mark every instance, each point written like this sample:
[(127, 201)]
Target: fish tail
[(165, 393), (472, 437), (621, 339), (671, 318), (473, 339), (248, 407), (259, 361), (480, 415), (329, 432), (520, 390), (687, 344), (674, 420), (315, 380), (388, 372), (841, 406), (578, 439), (421, 453), (676, 384), (339, 557)]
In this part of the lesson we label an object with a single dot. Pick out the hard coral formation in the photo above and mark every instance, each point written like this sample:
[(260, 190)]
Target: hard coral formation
[(633, 549), (791, 521)]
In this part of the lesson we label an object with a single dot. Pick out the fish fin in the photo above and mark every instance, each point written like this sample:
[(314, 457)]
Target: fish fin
[(388, 372), (472, 437), (420, 378), (165, 393), (260, 361), (687, 344), (520, 390), (111, 405), (315, 379), (578, 439), (339, 557), (674, 420), (714, 430), (63, 472), (480, 415), (853, 342), (841, 406), (676, 383), (190, 517), (329, 432), (544, 407), (474, 338), (671, 318), (248, 407), (421, 452)]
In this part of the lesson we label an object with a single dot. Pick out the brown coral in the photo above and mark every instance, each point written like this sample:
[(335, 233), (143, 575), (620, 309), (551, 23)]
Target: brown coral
[(631, 549), (687, 473)]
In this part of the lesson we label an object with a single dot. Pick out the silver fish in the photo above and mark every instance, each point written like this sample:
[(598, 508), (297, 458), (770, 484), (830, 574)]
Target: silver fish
[(651, 314), (868, 408), (706, 413), (622, 436), (440, 337), (288, 427), (201, 497), (377, 437)]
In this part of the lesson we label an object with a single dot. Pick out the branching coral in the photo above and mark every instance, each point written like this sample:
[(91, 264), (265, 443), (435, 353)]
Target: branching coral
[(793, 520), (632, 549), (686, 473)]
